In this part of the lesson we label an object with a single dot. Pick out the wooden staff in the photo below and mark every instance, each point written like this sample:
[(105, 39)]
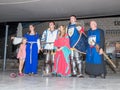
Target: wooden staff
[(109, 60), (106, 56)]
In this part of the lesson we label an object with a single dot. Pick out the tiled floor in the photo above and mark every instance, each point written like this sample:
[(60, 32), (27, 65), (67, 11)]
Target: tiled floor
[(37, 82)]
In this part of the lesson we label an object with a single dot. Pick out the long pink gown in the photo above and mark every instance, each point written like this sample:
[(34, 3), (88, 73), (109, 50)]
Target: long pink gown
[(62, 61)]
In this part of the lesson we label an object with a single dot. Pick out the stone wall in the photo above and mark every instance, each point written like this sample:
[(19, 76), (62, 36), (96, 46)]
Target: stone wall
[(111, 27), (107, 24)]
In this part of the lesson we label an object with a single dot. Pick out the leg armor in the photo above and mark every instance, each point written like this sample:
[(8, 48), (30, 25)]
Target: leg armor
[(73, 63), (47, 63), (78, 62), (52, 60)]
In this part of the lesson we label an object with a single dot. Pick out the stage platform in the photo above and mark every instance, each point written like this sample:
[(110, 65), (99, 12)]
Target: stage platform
[(38, 82)]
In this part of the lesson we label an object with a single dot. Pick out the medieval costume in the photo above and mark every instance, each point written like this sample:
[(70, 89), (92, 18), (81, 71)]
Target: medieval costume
[(62, 59), (32, 49), (76, 60), (95, 65), (48, 38)]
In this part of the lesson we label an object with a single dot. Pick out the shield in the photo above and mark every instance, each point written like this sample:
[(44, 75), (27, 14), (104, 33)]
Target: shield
[(81, 44)]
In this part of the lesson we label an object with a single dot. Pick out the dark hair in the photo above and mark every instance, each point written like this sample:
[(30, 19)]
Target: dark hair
[(52, 22), (33, 26), (73, 16)]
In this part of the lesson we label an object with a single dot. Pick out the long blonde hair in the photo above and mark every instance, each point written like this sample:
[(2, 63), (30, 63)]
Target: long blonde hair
[(63, 32)]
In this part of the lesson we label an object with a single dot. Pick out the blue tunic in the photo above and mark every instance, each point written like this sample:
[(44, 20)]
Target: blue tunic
[(31, 61), (94, 61), (73, 34), (77, 41), (92, 55)]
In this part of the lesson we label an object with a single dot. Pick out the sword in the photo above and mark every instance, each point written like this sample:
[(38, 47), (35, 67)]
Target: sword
[(47, 42), (43, 43)]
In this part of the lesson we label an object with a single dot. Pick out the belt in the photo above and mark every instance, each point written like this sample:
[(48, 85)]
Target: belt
[(31, 50)]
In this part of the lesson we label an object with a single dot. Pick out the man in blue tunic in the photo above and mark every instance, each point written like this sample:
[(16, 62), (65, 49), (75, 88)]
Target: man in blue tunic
[(95, 65), (74, 35)]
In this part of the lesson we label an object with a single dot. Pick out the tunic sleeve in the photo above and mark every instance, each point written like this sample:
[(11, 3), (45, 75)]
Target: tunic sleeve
[(17, 40), (102, 39), (79, 28), (98, 37), (44, 35), (38, 43)]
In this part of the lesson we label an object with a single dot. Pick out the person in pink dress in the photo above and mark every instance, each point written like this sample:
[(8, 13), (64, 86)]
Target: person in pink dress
[(62, 61), (22, 55)]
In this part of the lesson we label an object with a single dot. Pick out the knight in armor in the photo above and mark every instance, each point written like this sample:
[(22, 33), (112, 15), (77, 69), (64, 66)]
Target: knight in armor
[(76, 57), (48, 38)]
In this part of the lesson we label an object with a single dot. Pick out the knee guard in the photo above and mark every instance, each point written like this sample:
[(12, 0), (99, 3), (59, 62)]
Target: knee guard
[(74, 69), (73, 63), (52, 61), (52, 58), (79, 62), (79, 66), (47, 69), (47, 64), (47, 60)]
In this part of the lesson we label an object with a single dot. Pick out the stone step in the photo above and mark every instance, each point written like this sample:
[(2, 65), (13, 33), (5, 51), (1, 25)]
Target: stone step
[(12, 64)]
